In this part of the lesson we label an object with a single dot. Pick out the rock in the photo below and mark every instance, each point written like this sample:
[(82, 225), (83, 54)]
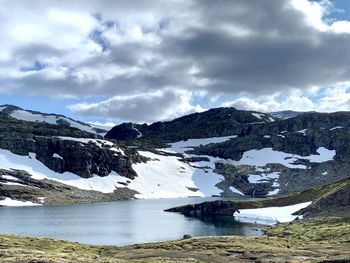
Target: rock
[(83, 159)]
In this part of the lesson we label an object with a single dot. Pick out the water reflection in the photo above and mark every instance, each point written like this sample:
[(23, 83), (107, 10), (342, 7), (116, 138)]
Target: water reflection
[(117, 223)]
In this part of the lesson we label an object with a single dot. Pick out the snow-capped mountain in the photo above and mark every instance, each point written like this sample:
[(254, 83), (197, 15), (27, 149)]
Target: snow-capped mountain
[(35, 116), (222, 152)]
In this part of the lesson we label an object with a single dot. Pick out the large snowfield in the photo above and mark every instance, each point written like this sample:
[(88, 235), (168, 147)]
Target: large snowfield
[(270, 215), (167, 176)]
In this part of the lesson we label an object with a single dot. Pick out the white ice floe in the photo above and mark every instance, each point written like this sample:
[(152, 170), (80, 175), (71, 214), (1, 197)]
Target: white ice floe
[(270, 215), (11, 202)]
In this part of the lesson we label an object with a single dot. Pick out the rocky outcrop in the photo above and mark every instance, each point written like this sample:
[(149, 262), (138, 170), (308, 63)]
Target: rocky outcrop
[(334, 202), (211, 123), (330, 200), (19, 185), (215, 208), (50, 141), (124, 131)]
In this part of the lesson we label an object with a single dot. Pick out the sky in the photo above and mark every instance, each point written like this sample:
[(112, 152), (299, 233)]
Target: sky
[(145, 61)]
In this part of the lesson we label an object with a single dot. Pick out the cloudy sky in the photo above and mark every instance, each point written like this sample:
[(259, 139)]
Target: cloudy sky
[(141, 61)]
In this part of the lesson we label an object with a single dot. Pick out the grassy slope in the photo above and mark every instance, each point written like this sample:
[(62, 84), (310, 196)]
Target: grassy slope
[(315, 194), (313, 240)]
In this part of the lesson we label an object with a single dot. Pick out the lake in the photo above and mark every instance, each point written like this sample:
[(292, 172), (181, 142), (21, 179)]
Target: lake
[(117, 223)]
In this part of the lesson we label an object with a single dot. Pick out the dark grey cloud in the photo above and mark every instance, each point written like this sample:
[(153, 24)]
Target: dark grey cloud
[(126, 48)]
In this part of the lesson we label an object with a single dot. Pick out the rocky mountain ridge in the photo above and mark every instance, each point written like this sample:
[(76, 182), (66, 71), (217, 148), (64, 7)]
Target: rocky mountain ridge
[(212, 123), (221, 152), (51, 118)]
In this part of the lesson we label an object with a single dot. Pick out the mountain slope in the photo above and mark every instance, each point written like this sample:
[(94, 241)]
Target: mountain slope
[(83, 160), (35, 116), (221, 152), (212, 123)]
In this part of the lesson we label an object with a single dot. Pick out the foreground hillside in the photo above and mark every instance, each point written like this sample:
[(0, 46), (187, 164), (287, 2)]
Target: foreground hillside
[(319, 240), (329, 200)]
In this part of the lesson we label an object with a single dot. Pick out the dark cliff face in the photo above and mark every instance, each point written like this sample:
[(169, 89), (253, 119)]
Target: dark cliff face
[(124, 132), (301, 135), (211, 123), (45, 140)]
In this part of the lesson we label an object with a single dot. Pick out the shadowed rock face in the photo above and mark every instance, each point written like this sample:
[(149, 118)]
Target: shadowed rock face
[(22, 138), (211, 123), (302, 135), (215, 208)]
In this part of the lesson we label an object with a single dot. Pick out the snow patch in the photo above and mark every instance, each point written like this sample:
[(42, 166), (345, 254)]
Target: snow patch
[(11, 202), (55, 155), (303, 132), (236, 191), (168, 177), (269, 215), (265, 156), (182, 146), (51, 119), (264, 177), (9, 177), (98, 142), (139, 134), (336, 127), (257, 115)]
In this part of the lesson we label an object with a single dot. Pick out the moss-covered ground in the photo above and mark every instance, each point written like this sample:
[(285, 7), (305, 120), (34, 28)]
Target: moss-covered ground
[(314, 240)]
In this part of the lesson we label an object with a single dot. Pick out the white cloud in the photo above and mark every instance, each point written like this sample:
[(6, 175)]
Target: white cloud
[(181, 49), (147, 107), (329, 100)]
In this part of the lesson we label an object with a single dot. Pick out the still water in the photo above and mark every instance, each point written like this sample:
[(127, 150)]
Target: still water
[(116, 223)]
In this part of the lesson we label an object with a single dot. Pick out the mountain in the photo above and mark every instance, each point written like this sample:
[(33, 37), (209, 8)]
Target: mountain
[(61, 120), (283, 115), (220, 152), (212, 123)]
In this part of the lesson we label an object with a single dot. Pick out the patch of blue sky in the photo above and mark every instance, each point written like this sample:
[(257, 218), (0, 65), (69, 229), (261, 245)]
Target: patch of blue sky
[(36, 66), (341, 10)]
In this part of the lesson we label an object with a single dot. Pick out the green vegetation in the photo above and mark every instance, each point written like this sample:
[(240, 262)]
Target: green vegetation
[(316, 240)]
